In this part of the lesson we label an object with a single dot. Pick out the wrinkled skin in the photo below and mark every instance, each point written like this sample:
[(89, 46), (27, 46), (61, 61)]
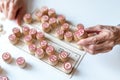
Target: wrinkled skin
[(107, 37), (13, 9)]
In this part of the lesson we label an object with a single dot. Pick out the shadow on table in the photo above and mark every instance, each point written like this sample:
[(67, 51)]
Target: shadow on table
[(28, 66), (111, 59)]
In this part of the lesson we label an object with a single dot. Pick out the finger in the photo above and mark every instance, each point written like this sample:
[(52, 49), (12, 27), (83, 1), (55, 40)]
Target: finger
[(103, 50), (20, 15), (88, 50), (2, 6), (91, 31), (105, 44), (6, 7), (102, 47), (13, 10), (93, 39), (95, 29)]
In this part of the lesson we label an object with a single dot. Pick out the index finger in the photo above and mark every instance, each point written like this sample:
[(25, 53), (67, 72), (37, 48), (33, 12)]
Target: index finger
[(93, 40)]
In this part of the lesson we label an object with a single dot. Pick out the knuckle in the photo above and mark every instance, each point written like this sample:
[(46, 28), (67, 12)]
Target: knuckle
[(94, 40), (92, 47), (108, 35), (111, 34)]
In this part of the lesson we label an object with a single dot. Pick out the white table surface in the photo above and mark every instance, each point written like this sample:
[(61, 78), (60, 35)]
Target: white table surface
[(89, 12)]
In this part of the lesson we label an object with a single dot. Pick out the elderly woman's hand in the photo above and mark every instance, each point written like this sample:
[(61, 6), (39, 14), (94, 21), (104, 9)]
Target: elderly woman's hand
[(104, 41), (13, 9)]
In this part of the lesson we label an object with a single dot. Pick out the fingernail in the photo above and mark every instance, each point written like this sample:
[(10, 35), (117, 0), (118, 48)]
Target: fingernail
[(79, 42)]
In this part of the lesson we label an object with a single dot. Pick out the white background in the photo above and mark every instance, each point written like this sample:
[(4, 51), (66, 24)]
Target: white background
[(89, 12)]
